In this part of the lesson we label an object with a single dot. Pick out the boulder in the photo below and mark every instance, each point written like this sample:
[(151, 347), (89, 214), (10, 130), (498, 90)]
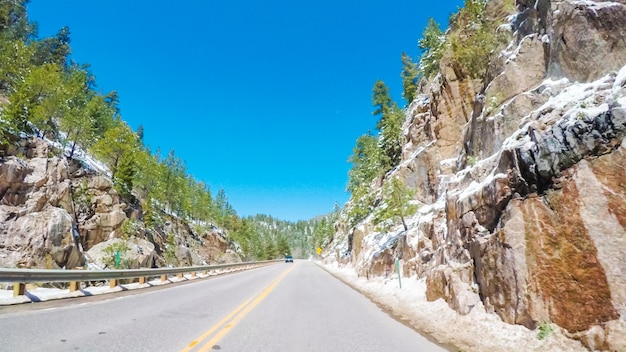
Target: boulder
[(139, 253)]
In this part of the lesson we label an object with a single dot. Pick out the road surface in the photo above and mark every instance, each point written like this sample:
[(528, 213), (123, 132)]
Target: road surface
[(281, 307)]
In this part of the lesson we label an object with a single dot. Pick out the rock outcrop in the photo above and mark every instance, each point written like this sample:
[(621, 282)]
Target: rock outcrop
[(56, 213), (521, 178)]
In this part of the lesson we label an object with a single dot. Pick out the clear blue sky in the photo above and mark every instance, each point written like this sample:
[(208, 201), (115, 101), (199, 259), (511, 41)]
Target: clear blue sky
[(264, 99)]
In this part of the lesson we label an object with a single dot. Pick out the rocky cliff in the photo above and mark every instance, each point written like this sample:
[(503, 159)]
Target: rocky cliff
[(60, 213), (520, 177)]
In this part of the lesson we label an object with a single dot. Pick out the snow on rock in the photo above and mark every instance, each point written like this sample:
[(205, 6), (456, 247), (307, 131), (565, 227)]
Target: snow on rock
[(620, 80)]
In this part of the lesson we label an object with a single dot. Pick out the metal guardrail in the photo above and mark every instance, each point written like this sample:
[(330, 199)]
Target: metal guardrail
[(20, 277)]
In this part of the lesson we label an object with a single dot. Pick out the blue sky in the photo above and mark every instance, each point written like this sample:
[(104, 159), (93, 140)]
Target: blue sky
[(264, 99)]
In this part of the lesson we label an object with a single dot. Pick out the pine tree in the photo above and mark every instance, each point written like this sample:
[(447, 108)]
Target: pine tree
[(396, 199), (149, 180), (391, 137), (271, 251), (140, 133), (432, 44), (475, 45), (81, 109), (389, 125), (14, 22), (115, 143), (125, 175), (15, 58), (173, 183), (410, 77), (365, 162), (221, 206), (381, 98), (37, 99), (53, 50), (282, 246)]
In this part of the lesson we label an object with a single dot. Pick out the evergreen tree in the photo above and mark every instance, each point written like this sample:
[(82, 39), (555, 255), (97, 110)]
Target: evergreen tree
[(365, 162), (390, 140), (381, 98), (149, 180), (53, 50), (476, 43), (271, 251), (124, 175), (174, 174), (149, 216), (15, 58), (116, 142), (14, 24), (389, 125), (37, 99), (396, 198), (244, 237), (432, 44), (108, 116), (140, 133), (282, 246), (81, 110), (221, 206), (410, 77), (360, 206)]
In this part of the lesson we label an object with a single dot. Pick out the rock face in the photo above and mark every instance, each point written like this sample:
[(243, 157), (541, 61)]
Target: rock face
[(43, 197), (523, 186)]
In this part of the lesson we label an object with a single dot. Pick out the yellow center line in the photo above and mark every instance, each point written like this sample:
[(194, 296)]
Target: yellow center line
[(248, 307), (211, 330)]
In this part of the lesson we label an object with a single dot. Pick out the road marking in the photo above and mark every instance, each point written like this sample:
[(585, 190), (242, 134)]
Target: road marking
[(240, 312)]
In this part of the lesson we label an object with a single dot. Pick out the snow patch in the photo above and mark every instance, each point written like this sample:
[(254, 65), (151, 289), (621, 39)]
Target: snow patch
[(513, 55), (620, 80), (477, 331)]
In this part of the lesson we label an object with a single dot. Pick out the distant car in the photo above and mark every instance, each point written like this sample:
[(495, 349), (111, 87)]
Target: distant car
[(288, 259)]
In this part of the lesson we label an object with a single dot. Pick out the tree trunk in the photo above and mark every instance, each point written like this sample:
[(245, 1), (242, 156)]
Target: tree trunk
[(404, 223), (73, 149)]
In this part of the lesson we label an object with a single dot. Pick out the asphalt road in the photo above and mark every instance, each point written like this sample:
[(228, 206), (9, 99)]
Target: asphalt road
[(281, 307)]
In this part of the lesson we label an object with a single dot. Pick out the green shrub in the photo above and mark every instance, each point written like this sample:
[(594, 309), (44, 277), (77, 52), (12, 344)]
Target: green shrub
[(131, 228), (545, 329), (81, 196), (170, 250), (111, 252)]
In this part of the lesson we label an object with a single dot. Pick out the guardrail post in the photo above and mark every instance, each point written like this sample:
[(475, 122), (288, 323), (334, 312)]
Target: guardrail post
[(73, 286), (163, 278), (142, 280), (179, 275), (19, 289), (193, 274), (112, 283)]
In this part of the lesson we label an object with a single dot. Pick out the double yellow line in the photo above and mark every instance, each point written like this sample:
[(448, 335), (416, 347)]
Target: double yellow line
[(239, 313)]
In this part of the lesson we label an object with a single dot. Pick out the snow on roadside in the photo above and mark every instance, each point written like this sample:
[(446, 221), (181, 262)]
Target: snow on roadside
[(477, 331), (42, 294)]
